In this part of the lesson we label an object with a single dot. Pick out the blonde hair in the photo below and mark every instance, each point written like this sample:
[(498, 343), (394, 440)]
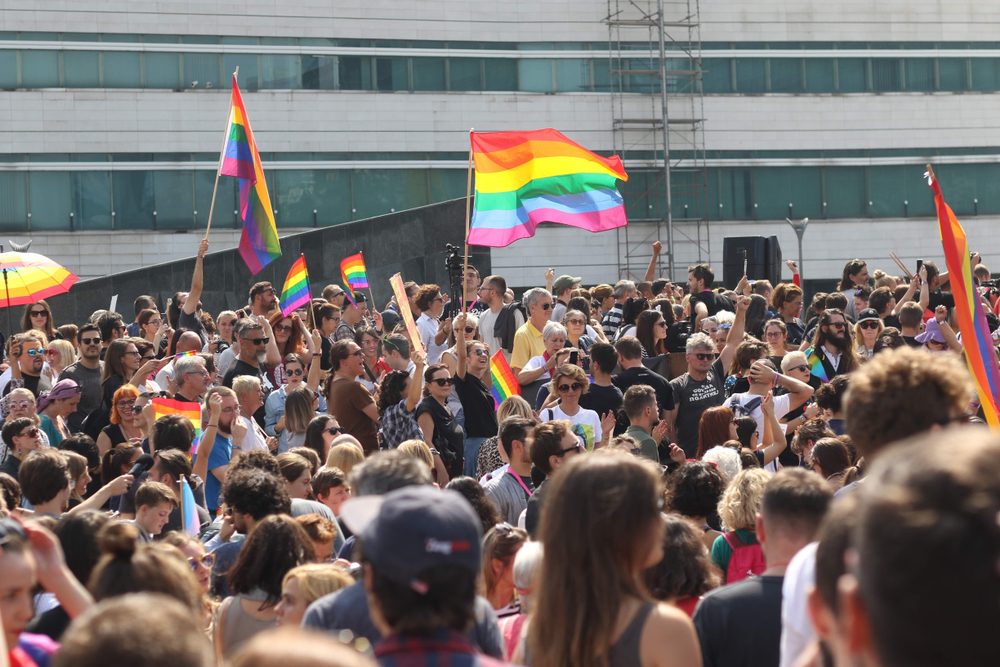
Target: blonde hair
[(23, 394), (345, 456), (573, 372), (514, 406), (419, 450), (795, 358), (741, 501), (67, 353), (318, 579)]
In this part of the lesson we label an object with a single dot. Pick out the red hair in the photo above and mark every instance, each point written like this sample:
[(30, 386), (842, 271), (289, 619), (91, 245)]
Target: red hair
[(124, 391), (294, 342), (713, 429)]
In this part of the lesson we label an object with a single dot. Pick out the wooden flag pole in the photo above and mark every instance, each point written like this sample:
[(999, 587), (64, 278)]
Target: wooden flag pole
[(468, 200), (222, 154)]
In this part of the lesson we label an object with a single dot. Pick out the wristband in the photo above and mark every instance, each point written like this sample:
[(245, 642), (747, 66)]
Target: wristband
[(776, 376), (212, 426)]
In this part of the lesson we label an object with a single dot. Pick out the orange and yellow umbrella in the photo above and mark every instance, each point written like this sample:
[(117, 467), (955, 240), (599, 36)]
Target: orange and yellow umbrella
[(26, 277)]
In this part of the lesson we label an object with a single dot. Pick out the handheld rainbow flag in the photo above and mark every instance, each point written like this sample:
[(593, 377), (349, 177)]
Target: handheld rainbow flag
[(526, 178), (295, 293), (352, 269), (504, 382), (189, 353), (976, 338), (816, 368), (259, 244), (169, 406), (189, 512)]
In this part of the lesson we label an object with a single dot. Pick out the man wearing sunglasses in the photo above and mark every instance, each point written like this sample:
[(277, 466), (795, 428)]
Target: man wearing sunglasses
[(86, 372), (528, 342), (832, 352), (254, 338), (27, 372)]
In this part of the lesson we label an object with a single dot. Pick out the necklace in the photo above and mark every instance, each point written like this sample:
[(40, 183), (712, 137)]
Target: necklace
[(128, 433)]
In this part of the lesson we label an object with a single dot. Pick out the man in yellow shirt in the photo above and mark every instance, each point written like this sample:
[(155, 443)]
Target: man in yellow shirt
[(528, 338)]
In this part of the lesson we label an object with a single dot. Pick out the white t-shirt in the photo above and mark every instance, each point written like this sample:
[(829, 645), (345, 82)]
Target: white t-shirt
[(781, 409), (587, 423), (255, 437), (797, 631), (428, 328), (486, 321), (537, 362)]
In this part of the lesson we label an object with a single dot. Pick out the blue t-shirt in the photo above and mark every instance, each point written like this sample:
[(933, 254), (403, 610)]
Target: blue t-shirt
[(222, 452)]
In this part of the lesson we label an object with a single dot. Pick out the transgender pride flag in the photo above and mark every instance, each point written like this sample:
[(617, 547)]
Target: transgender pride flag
[(189, 511)]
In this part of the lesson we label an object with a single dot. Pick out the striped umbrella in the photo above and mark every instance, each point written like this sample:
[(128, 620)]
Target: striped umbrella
[(28, 277)]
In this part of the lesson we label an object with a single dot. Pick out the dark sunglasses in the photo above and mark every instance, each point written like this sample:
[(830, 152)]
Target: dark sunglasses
[(469, 330), (704, 356), (444, 382), (334, 430), (563, 452), (545, 306), (480, 352), (661, 323), (839, 325), (282, 327), (38, 313), (803, 368), (297, 372), (30, 433), (869, 325), (90, 341), (576, 386), (259, 341)]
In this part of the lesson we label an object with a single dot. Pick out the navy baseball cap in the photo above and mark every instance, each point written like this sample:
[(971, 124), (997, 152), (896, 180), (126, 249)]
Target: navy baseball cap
[(411, 529)]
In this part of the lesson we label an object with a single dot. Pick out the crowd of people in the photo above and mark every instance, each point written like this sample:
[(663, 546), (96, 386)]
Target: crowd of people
[(687, 475)]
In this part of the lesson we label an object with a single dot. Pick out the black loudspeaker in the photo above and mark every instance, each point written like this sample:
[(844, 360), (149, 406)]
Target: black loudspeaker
[(762, 257)]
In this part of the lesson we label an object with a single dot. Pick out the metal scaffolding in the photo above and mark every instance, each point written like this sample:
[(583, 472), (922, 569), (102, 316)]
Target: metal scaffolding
[(654, 49)]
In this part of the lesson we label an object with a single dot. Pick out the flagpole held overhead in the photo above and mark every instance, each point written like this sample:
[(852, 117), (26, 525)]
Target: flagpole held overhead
[(222, 154)]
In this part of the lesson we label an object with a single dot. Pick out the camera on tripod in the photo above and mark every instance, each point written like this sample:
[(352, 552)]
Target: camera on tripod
[(454, 262)]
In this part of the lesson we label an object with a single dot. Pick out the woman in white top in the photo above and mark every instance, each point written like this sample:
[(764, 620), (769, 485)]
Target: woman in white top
[(540, 367), (568, 384)]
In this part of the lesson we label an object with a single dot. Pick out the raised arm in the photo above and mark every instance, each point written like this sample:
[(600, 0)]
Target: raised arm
[(910, 291), (925, 290), (775, 439), (735, 332), (207, 441), (197, 279), (794, 268), (799, 392), (651, 269), (273, 355), (414, 396), (460, 352), (941, 315), (312, 380)]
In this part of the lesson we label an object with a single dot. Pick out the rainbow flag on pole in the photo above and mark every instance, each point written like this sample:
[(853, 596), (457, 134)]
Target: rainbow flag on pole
[(504, 382), (976, 338), (259, 243), (189, 512), (295, 293), (170, 406), (352, 270), (526, 178)]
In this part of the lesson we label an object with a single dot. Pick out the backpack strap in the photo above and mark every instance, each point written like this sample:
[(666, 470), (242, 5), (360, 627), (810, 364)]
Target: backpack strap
[(753, 404), (733, 540), (551, 414)]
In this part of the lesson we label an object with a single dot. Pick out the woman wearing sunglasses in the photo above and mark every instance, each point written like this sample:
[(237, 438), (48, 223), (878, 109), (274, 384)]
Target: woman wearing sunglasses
[(21, 404), (866, 331), (441, 432), (294, 372), (59, 354), (291, 337), (450, 359), (21, 437), (568, 384), (320, 434), (56, 406), (155, 329), (472, 386), (38, 316)]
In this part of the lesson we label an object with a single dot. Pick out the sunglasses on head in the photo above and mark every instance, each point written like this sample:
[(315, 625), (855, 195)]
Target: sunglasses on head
[(576, 386), (208, 560), (871, 324), (91, 341), (444, 382)]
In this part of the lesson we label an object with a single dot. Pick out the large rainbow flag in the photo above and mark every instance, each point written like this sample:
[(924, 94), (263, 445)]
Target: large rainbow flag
[(170, 406), (976, 338), (504, 382), (526, 178), (259, 243), (295, 293), (352, 270)]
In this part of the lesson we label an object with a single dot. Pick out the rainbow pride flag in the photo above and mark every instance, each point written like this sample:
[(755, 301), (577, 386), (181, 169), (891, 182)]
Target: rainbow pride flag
[(976, 338), (504, 382), (170, 406), (526, 178), (259, 243), (295, 293), (353, 272), (816, 368), (189, 353), (189, 512)]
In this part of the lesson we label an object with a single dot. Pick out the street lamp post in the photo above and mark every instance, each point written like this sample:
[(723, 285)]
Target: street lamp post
[(800, 229)]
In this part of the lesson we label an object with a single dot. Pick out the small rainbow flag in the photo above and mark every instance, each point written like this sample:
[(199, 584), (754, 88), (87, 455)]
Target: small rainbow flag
[(189, 512), (295, 293), (259, 244), (976, 338), (170, 406), (526, 178), (352, 270), (504, 382), (816, 368), (189, 353)]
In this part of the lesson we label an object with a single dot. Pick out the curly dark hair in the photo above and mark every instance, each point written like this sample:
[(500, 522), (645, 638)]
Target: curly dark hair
[(391, 391), (686, 569), (695, 489), (258, 459), (473, 492), (274, 546), (256, 493)]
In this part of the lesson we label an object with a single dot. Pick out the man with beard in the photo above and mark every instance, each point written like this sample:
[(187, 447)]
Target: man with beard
[(511, 490), (226, 434), (263, 299), (351, 316), (86, 372), (832, 352), (349, 401), (253, 354), (30, 355)]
